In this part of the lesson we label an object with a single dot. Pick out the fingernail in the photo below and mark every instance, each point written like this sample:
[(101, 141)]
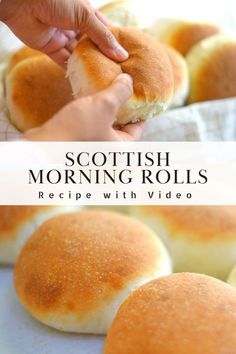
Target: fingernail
[(121, 52), (125, 77)]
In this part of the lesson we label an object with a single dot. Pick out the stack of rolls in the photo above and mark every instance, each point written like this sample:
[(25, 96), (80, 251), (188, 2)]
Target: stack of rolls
[(210, 56), (98, 272), (172, 63)]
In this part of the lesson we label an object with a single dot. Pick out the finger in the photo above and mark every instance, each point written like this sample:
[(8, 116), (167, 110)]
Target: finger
[(135, 131), (102, 18), (71, 44), (114, 97), (79, 36), (57, 41), (70, 34), (61, 57), (105, 40)]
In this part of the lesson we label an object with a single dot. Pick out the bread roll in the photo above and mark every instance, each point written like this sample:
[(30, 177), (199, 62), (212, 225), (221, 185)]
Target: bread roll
[(91, 71), (17, 224), (212, 69), (232, 278), (36, 89), (76, 270), (181, 35), (181, 77), (22, 54), (182, 313), (121, 13), (200, 239)]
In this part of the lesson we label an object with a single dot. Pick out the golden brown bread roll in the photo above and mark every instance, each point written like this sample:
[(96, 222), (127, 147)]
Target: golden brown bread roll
[(199, 238), (22, 54), (121, 13), (77, 268), (212, 69), (182, 35), (182, 313), (36, 89), (91, 71), (181, 77), (18, 223)]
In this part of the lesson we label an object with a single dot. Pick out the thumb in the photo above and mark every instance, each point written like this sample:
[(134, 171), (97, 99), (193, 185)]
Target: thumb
[(105, 40), (116, 95)]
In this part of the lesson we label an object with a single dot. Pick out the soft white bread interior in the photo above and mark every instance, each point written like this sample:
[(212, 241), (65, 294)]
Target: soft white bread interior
[(148, 64)]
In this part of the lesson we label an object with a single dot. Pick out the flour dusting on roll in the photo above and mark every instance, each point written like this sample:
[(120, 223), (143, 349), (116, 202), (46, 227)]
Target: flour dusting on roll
[(181, 313), (148, 64), (36, 89), (18, 223), (77, 268), (200, 239)]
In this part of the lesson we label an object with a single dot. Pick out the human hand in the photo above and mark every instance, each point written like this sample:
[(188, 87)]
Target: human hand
[(91, 118), (54, 26)]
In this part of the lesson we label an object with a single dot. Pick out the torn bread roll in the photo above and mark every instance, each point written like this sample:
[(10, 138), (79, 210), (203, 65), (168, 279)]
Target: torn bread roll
[(181, 77), (182, 313), (18, 223), (212, 69), (77, 268), (200, 239), (148, 64), (181, 35), (121, 13), (36, 89)]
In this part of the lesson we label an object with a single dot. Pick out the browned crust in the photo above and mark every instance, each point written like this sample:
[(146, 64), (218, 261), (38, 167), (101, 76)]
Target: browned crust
[(148, 64), (39, 89), (13, 217), (196, 223), (176, 61), (22, 54), (77, 261), (217, 76), (190, 34), (112, 5), (182, 313)]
